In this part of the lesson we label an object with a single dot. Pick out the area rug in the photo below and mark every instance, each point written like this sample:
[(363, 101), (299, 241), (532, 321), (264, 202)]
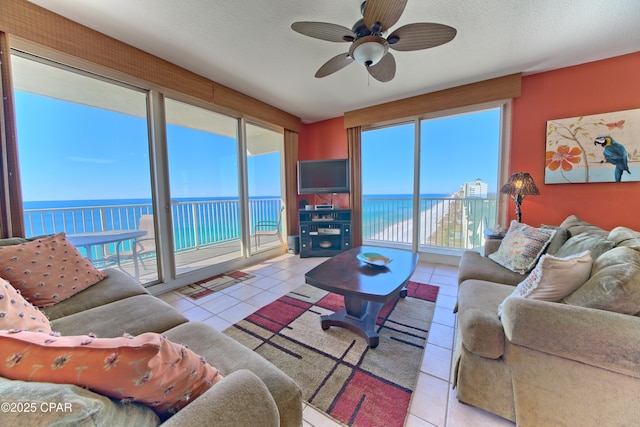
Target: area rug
[(213, 284), (338, 373)]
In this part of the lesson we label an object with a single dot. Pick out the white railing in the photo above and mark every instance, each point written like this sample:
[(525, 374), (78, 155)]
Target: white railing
[(86, 219), (196, 224), (445, 222), (205, 223)]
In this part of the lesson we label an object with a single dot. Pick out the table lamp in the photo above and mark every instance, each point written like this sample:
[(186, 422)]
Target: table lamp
[(520, 184)]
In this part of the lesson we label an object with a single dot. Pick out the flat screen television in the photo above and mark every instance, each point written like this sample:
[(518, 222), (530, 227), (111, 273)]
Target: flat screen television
[(323, 176)]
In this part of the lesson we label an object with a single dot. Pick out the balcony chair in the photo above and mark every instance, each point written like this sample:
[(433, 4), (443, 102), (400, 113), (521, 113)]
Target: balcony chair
[(269, 228), (144, 245)]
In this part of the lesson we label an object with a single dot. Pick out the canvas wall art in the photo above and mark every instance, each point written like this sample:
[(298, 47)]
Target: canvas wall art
[(597, 148)]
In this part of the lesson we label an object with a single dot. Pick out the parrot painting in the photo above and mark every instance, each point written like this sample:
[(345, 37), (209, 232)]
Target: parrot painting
[(614, 153)]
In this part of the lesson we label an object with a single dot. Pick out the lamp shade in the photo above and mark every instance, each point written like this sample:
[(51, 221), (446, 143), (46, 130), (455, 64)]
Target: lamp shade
[(369, 50), (520, 184)]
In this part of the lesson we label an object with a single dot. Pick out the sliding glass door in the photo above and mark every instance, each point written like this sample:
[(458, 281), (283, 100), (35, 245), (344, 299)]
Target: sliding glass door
[(388, 183), (459, 158), (265, 158), (85, 167), (202, 152), (201, 193), (445, 198)]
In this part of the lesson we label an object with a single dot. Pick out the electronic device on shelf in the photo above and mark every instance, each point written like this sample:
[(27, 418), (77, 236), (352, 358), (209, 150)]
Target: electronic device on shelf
[(328, 231), (325, 215), (324, 232), (323, 176), (320, 207)]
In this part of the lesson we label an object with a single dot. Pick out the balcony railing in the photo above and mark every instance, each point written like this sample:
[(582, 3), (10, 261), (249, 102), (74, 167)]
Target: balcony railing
[(446, 222), (196, 224), (205, 223)]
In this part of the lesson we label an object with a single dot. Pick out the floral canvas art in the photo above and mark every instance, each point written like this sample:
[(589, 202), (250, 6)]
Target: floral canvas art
[(597, 148)]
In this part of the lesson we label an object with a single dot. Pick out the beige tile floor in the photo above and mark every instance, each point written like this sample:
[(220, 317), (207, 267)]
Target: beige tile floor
[(434, 402)]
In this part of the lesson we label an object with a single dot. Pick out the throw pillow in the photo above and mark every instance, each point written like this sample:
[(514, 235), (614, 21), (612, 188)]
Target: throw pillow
[(576, 226), (614, 284), (593, 243), (553, 278), (147, 369), (46, 404), (558, 239), (623, 236), (18, 313), (47, 270), (522, 246)]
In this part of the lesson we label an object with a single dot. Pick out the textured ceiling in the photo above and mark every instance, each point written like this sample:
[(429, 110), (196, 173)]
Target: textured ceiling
[(248, 45)]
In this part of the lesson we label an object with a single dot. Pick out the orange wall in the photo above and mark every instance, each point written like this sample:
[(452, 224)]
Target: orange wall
[(324, 140), (597, 87)]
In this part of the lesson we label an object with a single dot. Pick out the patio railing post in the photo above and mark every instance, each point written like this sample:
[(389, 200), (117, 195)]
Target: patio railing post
[(196, 224)]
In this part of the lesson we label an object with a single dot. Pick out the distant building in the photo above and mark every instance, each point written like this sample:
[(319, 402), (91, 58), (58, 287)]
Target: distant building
[(475, 189)]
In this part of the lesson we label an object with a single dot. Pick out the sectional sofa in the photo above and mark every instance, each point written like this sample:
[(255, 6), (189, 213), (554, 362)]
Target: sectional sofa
[(570, 362), (252, 391)]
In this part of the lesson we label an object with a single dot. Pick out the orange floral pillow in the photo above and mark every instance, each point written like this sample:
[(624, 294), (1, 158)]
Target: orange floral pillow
[(18, 313), (48, 270), (148, 368)]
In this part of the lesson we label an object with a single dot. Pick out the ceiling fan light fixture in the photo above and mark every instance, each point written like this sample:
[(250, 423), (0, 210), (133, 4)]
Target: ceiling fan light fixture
[(368, 37), (369, 50)]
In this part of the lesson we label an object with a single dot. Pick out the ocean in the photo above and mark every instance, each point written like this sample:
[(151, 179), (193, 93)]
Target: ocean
[(382, 211)]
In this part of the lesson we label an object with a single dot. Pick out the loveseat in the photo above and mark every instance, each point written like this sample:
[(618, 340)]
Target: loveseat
[(573, 362), (252, 391)]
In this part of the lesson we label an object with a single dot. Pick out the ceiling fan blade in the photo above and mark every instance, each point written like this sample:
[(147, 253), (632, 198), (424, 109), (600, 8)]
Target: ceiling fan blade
[(384, 70), (336, 63), (384, 12), (324, 31), (421, 35)]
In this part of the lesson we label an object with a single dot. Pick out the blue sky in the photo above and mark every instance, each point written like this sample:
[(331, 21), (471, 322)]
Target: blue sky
[(454, 150), (73, 152), (66, 154)]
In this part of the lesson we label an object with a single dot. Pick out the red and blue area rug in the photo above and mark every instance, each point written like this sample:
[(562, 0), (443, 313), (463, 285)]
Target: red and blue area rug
[(338, 373)]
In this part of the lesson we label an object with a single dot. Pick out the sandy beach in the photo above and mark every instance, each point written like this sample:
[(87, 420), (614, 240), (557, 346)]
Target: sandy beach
[(402, 232)]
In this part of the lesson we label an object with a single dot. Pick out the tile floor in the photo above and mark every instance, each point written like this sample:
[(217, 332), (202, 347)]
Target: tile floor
[(434, 402)]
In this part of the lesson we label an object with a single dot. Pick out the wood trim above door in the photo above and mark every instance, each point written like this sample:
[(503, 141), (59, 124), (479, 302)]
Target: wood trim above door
[(506, 87)]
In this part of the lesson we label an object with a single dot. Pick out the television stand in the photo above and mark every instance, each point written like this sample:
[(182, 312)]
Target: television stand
[(324, 232)]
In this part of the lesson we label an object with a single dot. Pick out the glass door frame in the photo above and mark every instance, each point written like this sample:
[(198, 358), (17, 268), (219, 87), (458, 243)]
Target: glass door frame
[(93, 97), (249, 250), (161, 186), (503, 155), (415, 179), (160, 194)]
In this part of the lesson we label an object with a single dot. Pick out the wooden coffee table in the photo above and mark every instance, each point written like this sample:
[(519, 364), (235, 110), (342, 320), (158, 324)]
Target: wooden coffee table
[(366, 288)]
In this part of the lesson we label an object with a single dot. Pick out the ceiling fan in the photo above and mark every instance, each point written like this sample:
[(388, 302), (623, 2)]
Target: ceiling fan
[(369, 46)]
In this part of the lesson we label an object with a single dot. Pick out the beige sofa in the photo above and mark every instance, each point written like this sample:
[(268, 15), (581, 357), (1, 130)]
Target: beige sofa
[(253, 392), (568, 363)]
